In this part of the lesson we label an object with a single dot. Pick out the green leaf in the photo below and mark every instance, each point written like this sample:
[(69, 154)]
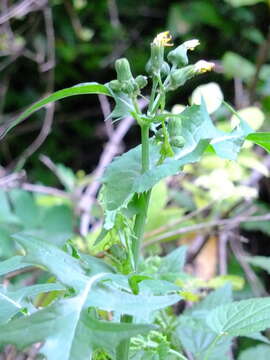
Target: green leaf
[(114, 294), (123, 106), (123, 177), (261, 138), (25, 208), (261, 352), (12, 302), (240, 318), (173, 262), (68, 331), (192, 332), (80, 89), (12, 264)]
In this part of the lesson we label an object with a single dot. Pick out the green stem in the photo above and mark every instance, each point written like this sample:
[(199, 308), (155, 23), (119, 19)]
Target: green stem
[(122, 351), (143, 198)]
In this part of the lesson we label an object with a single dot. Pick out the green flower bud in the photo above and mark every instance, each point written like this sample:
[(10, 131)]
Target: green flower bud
[(115, 85), (141, 81), (129, 87), (155, 63), (177, 141), (123, 71), (178, 57), (180, 76), (165, 69), (174, 126)]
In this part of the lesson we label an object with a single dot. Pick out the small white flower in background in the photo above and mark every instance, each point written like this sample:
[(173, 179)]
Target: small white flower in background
[(178, 108), (212, 95), (252, 115)]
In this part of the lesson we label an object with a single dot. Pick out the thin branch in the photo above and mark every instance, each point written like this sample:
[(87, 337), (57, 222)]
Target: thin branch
[(171, 224), (205, 226), (21, 9), (45, 190)]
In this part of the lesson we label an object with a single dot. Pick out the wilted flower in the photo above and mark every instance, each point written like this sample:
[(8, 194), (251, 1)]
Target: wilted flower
[(163, 39), (203, 66)]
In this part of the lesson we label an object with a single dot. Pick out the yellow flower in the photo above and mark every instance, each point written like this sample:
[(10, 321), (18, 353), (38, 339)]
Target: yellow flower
[(203, 66), (163, 39)]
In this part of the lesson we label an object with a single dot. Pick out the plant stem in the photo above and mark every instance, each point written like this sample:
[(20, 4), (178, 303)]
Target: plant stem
[(143, 199), (122, 351)]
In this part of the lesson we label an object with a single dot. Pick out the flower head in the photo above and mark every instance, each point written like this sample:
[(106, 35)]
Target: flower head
[(203, 66), (163, 39)]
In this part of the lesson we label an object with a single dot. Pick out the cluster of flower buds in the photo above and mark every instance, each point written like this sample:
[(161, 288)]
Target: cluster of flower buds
[(125, 81), (174, 128), (179, 71)]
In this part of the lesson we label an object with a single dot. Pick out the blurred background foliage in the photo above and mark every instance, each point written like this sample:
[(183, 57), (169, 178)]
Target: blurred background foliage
[(88, 36), (50, 45)]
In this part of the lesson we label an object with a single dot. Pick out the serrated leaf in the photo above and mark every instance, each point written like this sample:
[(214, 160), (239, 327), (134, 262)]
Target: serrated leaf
[(192, 332), (197, 339), (240, 318), (68, 331), (80, 89)]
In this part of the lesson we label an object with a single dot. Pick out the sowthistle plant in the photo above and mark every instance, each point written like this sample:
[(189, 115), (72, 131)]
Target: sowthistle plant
[(95, 307)]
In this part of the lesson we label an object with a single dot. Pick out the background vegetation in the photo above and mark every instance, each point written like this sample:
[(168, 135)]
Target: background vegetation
[(219, 208)]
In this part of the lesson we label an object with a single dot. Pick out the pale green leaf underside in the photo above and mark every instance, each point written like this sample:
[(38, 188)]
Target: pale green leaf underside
[(80, 89), (104, 295), (68, 331)]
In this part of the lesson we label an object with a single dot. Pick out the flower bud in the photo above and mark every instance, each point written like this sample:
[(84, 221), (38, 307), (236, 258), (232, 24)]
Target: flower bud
[(141, 81), (123, 71), (165, 69), (177, 141), (178, 57), (180, 76), (115, 85), (156, 60)]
